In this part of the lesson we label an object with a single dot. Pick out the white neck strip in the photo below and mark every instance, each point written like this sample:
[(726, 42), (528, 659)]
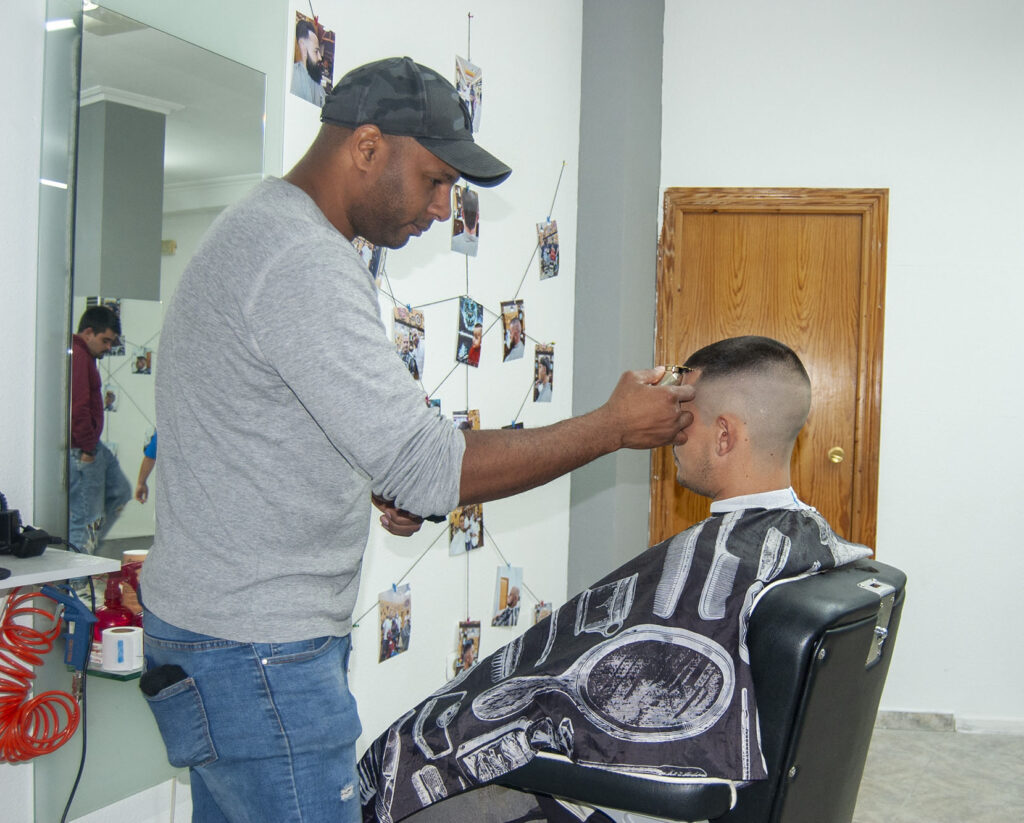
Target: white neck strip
[(778, 499)]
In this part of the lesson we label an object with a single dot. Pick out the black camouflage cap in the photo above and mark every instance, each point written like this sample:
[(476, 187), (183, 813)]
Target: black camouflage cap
[(403, 98)]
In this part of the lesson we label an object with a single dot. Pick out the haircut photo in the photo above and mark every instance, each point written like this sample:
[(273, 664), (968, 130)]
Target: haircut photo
[(543, 373), (469, 81), (465, 220), (547, 238), (513, 320), (471, 332), (395, 618), (409, 337), (312, 60)]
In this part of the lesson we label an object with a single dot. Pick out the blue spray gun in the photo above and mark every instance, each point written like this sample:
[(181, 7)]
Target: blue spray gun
[(78, 620)]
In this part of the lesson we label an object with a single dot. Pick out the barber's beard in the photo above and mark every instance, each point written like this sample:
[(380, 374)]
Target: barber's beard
[(381, 219), (315, 70)]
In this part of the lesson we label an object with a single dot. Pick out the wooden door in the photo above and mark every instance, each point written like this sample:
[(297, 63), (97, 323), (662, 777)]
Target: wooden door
[(807, 267)]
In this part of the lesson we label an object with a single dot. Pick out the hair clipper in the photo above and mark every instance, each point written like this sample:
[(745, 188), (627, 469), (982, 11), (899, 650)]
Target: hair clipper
[(673, 375)]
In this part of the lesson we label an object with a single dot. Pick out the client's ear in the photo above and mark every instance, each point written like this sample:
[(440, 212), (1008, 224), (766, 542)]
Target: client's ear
[(727, 434)]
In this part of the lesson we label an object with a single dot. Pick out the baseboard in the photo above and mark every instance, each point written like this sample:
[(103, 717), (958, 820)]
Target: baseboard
[(973, 724), (916, 721), (940, 722)]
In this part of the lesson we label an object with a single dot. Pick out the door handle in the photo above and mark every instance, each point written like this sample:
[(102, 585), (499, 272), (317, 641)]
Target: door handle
[(836, 454)]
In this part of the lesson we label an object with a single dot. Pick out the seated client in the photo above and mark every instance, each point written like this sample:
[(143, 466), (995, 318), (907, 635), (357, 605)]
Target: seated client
[(647, 670)]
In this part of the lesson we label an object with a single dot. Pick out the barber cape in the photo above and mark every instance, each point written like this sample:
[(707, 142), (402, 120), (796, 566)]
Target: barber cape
[(645, 672)]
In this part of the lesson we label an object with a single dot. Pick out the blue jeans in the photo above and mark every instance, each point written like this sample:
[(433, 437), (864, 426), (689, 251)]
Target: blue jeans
[(97, 491), (267, 730)]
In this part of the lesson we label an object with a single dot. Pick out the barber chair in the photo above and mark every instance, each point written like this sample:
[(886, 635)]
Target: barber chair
[(820, 649)]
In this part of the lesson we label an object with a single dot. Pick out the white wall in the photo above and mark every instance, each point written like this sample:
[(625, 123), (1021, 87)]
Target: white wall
[(923, 98), (530, 55), (21, 45)]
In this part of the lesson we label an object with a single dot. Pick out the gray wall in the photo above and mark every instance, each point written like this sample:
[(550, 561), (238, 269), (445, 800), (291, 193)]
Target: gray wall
[(120, 201), (619, 178)]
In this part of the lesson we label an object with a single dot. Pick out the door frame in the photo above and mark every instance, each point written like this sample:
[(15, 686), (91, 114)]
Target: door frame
[(873, 207)]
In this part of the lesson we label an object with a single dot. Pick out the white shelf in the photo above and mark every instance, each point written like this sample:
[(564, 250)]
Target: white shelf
[(53, 564)]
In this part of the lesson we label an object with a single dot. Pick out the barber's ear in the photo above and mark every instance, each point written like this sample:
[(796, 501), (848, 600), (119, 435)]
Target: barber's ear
[(367, 144)]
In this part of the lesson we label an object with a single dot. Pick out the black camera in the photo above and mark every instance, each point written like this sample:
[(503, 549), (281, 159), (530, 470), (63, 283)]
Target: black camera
[(21, 541)]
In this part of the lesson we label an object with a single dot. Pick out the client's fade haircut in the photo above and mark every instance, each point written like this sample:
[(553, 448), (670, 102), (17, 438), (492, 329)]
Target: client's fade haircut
[(99, 319), (744, 355)]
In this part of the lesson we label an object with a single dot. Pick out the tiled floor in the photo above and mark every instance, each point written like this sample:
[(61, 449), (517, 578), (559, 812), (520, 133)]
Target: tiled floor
[(114, 548), (942, 777), (936, 777)]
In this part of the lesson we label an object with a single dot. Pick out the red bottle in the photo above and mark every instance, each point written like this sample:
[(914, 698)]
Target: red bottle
[(113, 612)]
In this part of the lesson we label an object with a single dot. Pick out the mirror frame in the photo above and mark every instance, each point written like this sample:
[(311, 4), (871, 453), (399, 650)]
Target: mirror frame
[(58, 161)]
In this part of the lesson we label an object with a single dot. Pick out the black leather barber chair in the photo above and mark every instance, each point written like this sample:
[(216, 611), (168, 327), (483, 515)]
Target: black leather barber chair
[(820, 649)]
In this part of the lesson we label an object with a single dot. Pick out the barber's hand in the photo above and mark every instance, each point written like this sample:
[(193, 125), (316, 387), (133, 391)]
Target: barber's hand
[(397, 521), (647, 415), (141, 492)]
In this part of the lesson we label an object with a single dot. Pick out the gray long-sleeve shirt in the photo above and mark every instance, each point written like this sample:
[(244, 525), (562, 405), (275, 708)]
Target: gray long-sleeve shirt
[(281, 404)]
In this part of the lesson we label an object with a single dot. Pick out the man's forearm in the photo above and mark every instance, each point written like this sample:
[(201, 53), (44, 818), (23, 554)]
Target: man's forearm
[(146, 468), (502, 462), (638, 415)]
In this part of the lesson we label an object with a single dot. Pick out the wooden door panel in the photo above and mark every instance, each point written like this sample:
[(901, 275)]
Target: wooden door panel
[(802, 266)]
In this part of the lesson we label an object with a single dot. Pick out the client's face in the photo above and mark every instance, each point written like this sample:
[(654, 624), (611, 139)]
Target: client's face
[(694, 457)]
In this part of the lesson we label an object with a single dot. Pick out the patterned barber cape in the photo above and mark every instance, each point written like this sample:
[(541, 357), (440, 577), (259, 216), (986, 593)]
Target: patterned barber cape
[(645, 672)]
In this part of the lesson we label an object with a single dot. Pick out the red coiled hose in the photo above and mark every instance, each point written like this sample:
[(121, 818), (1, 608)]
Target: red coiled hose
[(30, 726)]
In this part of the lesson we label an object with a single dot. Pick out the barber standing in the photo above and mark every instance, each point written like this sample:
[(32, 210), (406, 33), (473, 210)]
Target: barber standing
[(282, 408)]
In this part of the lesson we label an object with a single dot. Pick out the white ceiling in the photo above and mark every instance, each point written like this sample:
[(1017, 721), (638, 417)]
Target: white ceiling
[(215, 129)]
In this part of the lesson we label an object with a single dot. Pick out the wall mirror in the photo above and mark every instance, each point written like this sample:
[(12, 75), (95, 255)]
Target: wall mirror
[(168, 135), (146, 138)]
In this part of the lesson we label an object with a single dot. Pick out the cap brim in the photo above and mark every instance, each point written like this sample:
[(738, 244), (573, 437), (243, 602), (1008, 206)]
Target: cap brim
[(475, 164)]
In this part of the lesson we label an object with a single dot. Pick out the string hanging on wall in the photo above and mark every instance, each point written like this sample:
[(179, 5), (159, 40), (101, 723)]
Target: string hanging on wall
[(355, 623), (386, 286), (492, 542)]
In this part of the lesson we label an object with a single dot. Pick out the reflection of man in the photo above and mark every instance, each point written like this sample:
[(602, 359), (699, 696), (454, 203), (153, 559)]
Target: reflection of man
[(300, 415), (514, 347), (508, 616), (98, 489), (307, 71), (542, 388), (680, 615)]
